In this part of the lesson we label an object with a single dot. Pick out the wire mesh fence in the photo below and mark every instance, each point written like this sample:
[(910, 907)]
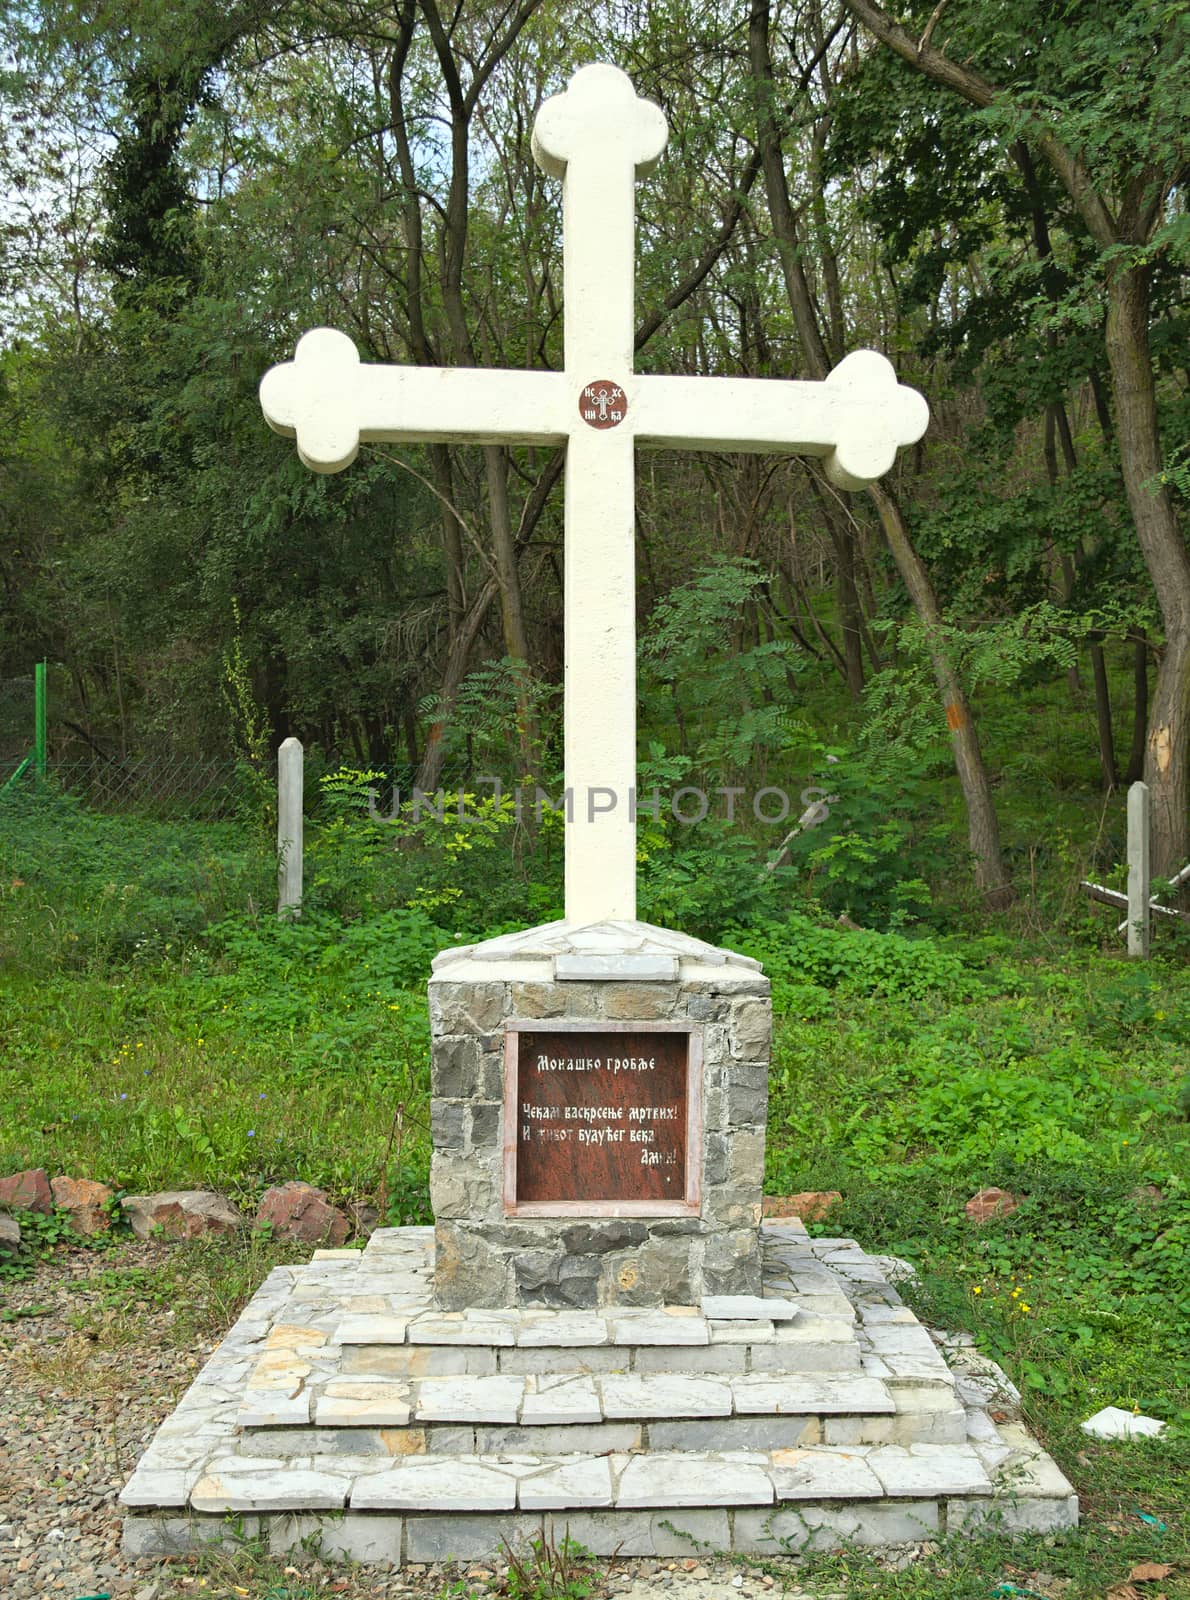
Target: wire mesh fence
[(158, 785), (167, 783)]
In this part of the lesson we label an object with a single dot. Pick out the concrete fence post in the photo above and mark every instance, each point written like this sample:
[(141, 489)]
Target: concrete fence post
[(1139, 915), (289, 828)]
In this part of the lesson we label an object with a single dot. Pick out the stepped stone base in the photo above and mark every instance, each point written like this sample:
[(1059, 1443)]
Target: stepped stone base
[(345, 1403)]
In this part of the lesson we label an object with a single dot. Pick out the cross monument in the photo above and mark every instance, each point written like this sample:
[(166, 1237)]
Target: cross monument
[(598, 137)]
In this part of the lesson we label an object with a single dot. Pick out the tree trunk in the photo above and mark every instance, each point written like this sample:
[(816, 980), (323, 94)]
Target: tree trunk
[(1168, 741), (983, 830), (1121, 225), (457, 658), (1140, 708), (1107, 743)]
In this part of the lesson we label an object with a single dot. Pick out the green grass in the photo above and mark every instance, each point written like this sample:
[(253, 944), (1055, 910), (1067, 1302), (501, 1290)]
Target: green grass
[(138, 1081), (161, 1029)]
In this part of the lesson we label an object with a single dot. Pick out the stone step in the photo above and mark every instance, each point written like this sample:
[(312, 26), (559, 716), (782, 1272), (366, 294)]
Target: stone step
[(823, 1349), (554, 1400), (295, 1477), (600, 1438), (687, 1327), (422, 1509)]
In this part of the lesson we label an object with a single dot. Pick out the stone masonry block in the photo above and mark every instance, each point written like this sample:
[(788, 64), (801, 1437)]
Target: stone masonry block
[(462, 1186), (640, 1002), (817, 1527), (539, 1000), (348, 1538), (715, 1049), (710, 1358), (706, 1008), (468, 1271), (1012, 1514), (658, 1269), (417, 1361), (751, 1030), (537, 1270), (731, 1263), (598, 1237), (714, 1159), (483, 1126), (746, 1104), (745, 1158), (459, 1537), (467, 1068), (714, 1109), (584, 1358), (735, 1433), (732, 1208), (175, 1536), (806, 1358), (467, 1008), (448, 1125), (674, 1532)]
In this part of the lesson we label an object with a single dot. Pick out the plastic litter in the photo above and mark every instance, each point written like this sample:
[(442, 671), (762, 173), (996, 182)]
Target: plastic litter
[(1150, 1521), (1113, 1422), (1007, 1589)]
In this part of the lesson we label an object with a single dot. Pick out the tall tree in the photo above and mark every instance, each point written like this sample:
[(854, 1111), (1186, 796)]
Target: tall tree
[(982, 826), (1098, 95)]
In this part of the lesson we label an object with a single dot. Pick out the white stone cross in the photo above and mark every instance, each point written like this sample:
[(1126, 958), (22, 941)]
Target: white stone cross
[(598, 137)]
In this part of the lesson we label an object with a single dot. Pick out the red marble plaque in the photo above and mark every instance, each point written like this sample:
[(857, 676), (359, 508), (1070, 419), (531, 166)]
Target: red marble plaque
[(602, 404), (602, 1119)]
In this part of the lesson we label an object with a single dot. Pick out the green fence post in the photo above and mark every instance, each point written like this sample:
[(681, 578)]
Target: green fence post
[(39, 718)]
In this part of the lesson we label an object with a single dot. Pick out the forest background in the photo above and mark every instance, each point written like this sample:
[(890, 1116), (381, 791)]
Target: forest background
[(1004, 213), (966, 663)]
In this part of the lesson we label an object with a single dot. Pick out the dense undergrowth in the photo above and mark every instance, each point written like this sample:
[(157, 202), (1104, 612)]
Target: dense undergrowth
[(161, 1028)]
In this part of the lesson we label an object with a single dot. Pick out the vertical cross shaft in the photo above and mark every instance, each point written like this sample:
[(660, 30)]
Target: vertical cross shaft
[(598, 138)]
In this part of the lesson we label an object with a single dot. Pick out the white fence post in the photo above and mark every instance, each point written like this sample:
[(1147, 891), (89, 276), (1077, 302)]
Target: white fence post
[(1139, 914), (289, 828)]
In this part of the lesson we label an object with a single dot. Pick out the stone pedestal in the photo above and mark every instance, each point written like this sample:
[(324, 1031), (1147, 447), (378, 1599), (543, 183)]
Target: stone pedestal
[(588, 1017)]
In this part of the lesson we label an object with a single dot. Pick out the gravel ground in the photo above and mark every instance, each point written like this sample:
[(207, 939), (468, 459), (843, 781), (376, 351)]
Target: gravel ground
[(84, 1384)]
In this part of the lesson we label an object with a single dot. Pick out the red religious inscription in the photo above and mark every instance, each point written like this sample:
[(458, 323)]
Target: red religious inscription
[(602, 404), (602, 1120)]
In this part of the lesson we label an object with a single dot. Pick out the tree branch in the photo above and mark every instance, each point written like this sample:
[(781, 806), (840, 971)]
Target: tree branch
[(706, 261), (976, 89)]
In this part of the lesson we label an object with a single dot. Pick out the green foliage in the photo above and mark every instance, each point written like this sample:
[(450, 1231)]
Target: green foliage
[(702, 877), (41, 1234), (872, 857), (1081, 1292), (346, 995), (1134, 1004), (348, 791), (728, 704), (463, 858), (502, 718), (251, 734), (802, 954)]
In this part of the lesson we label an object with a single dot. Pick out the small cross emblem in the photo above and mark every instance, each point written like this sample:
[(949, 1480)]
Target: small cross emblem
[(602, 404)]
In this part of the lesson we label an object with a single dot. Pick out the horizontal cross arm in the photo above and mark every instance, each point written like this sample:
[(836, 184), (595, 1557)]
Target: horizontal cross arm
[(856, 419), (331, 402)]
